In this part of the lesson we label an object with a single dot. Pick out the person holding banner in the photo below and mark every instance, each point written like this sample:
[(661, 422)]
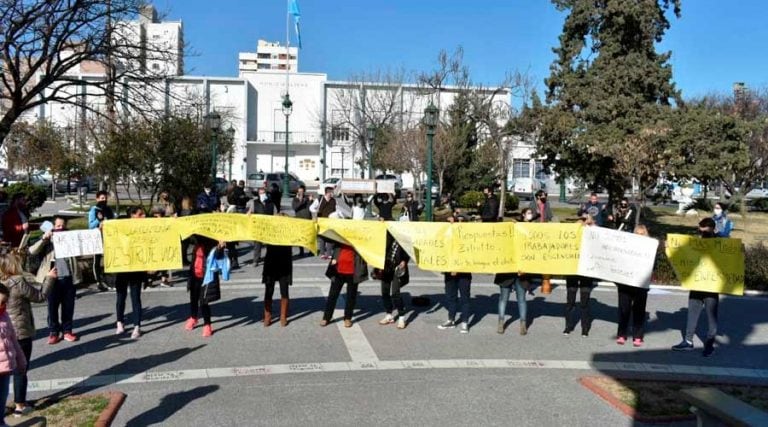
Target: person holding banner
[(325, 208), (63, 293), (300, 204), (197, 269), (99, 213), (457, 294), (583, 286), (632, 300), (411, 208), (384, 203), (393, 277), (346, 267), (520, 282), (278, 268), (130, 280), (208, 201), (700, 300), (22, 293), (260, 205)]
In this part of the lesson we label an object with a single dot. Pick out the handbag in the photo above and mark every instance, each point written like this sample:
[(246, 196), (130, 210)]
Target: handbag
[(210, 292), (330, 272)]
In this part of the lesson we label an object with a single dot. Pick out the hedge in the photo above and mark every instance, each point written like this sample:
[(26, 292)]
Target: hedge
[(36, 195)]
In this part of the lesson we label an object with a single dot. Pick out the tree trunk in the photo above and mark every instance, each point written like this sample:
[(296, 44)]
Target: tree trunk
[(503, 190)]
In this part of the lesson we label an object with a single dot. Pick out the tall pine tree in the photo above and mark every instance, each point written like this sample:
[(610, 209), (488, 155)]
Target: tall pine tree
[(608, 88)]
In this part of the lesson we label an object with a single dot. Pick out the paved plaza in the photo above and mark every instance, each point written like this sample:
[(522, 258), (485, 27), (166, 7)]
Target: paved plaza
[(304, 374)]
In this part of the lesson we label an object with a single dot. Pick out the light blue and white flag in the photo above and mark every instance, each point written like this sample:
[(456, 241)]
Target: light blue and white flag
[(293, 9)]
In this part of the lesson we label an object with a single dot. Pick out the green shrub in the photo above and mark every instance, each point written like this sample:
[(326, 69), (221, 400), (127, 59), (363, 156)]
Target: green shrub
[(755, 267), (511, 202), (36, 195), (470, 199), (760, 204)]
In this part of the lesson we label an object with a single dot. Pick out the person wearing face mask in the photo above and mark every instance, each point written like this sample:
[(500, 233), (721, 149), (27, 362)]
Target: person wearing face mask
[(300, 204), (130, 281), (723, 225), (208, 201), (700, 300), (625, 216), (384, 203), (540, 208), (520, 282), (411, 208), (489, 208), (96, 216), (583, 286), (260, 205), (63, 293), (632, 302), (326, 207)]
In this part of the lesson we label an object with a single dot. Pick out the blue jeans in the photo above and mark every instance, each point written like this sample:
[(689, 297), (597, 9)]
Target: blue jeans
[(522, 306), (457, 293), (5, 381)]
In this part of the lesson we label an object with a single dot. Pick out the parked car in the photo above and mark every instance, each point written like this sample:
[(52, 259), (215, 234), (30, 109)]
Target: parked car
[(88, 182), (266, 179), (34, 179), (525, 188), (330, 182), (390, 177), (757, 193)]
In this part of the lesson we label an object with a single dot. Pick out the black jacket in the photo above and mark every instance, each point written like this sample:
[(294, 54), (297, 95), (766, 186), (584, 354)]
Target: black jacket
[(414, 209), (626, 221), (384, 205), (301, 207), (278, 263), (238, 198), (394, 255), (326, 207), (490, 209), (263, 208), (275, 196)]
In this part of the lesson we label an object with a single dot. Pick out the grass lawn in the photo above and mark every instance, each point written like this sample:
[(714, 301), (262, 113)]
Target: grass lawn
[(70, 411), (661, 398)]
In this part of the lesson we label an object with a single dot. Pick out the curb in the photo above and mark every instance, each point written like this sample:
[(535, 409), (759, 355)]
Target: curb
[(106, 417), (589, 383)]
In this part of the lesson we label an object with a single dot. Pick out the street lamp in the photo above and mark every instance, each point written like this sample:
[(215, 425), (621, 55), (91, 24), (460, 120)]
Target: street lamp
[(342, 162), (371, 134), (231, 139), (563, 199), (431, 114), (287, 110), (214, 124)]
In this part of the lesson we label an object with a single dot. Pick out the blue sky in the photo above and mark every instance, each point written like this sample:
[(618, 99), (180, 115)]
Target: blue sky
[(714, 43)]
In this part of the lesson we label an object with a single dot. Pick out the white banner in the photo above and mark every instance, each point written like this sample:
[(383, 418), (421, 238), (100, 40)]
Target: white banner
[(68, 244), (385, 186), (617, 256), (355, 186)]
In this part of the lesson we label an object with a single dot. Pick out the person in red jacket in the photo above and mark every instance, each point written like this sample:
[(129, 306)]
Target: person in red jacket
[(15, 220)]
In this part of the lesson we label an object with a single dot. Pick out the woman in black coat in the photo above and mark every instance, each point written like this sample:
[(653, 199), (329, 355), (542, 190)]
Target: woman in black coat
[(278, 267), (393, 277)]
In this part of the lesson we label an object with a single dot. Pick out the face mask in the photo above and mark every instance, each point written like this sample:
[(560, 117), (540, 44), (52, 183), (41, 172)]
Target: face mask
[(101, 204), (543, 199), (718, 212), (263, 197), (528, 217)]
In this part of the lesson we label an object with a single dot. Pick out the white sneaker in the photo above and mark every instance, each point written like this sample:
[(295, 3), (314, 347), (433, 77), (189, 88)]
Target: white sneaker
[(401, 322), (387, 319), (136, 333), (120, 328), (464, 328)]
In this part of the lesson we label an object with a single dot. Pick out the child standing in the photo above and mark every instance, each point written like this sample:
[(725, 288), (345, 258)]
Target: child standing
[(11, 355), (197, 273)]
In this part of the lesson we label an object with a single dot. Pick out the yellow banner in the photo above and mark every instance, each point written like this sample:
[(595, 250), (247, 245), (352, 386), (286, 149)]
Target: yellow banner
[(367, 237), (483, 247), (147, 244), (427, 243), (547, 248), (217, 226), (711, 265), (283, 231)]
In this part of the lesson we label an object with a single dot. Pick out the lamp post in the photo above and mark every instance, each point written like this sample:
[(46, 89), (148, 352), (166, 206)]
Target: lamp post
[(287, 110), (231, 139), (371, 134), (430, 120), (214, 124), (342, 162), (563, 199)]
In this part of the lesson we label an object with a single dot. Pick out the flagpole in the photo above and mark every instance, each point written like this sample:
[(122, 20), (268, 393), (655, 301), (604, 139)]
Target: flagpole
[(287, 44), (287, 105)]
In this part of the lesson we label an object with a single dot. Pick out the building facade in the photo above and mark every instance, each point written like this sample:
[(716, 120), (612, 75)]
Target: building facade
[(269, 56)]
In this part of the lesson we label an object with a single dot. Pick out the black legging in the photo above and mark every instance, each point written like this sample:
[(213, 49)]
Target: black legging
[(337, 283), (270, 288), (632, 302), (195, 286), (20, 380), (121, 288), (584, 287)]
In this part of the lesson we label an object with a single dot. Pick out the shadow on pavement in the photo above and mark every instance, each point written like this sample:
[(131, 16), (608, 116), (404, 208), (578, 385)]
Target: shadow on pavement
[(170, 404)]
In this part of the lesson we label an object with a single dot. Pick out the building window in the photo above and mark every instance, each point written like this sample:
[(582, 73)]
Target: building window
[(264, 66), (540, 172), (340, 133), (280, 136), (263, 55), (521, 168), (307, 164)]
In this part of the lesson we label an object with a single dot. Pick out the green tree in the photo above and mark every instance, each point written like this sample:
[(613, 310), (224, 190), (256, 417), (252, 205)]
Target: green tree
[(608, 88)]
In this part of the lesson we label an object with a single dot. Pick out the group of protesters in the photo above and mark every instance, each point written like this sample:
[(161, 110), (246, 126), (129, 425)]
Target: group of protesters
[(211, 261)]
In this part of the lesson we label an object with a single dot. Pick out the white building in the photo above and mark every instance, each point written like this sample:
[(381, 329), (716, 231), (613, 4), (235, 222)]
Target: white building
[(156, 47), (269, 56)]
